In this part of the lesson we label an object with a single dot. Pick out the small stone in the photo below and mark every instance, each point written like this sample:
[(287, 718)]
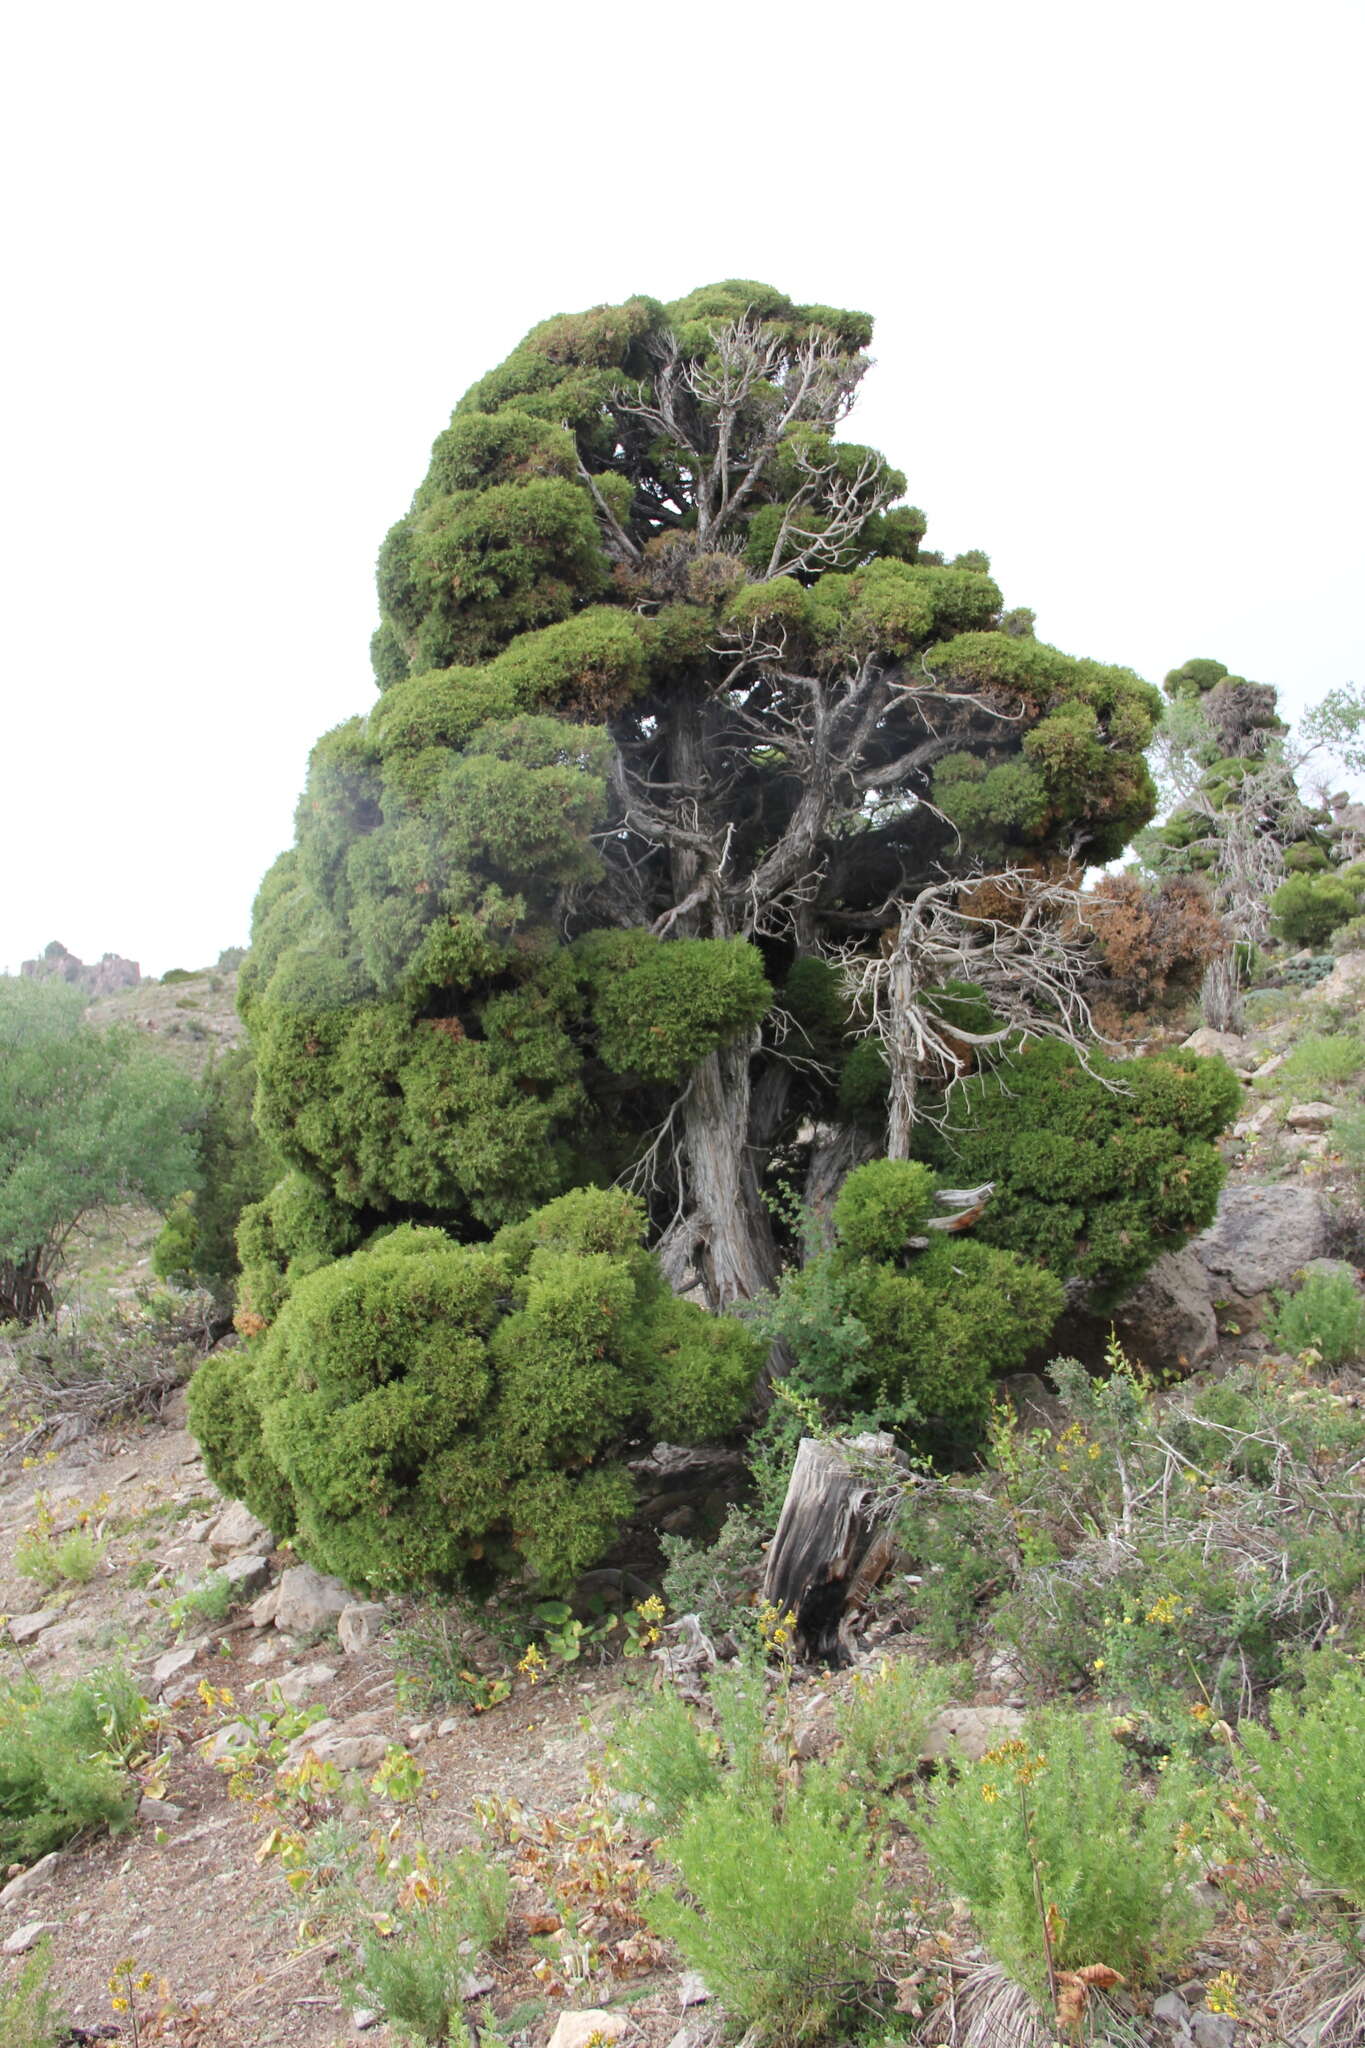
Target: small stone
[(1226, 1044), (1269, 1067), (238, 1529), (265, 1653), (21, 1941), (307, 1601), (575, 2029), (175, 1661), (693, 1989), (156, 1810), (476, 1987), (227, 1740), (449, 1725), (309, 1678), (419, 1733), (1309, 1116), (262, 1612), (246, 1573), (1172, 2011), (29, 1880), (362, 2019), (24, 1627), (358, 1624), (351, 1752), (970, 1731), (1213, 2029)]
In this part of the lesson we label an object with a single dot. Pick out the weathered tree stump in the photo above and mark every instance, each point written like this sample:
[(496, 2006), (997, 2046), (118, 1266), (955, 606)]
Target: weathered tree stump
[(835, 1538)]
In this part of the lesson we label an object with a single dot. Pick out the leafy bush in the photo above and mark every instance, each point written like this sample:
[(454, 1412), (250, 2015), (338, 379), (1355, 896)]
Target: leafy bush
[(884, 1719), (778, 1914), (1307, 908), (423, 1407), (60, 1752), (903, 1337), (1312, 1772), (55, 1560), (715, 1581), (1097, 1172), (412, 1971), (1325, 1314), (1322, 1059), (238, 1167), (1056, 1821), (661, 1755)]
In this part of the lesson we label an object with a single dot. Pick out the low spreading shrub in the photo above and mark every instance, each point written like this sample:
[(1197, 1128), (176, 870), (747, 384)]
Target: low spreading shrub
[(412, 1967), (1063, 1857), (1325, 1314), (884, 1719), (1322, 1059), (50, 1561), (423, 1408), (61, 1752), (29, 2014), (902, 1336), (1311, 1772)]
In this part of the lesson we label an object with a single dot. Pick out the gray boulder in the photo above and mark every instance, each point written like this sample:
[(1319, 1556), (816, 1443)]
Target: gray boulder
[(1261, 1237), (1168, 1320), (307, 1601)]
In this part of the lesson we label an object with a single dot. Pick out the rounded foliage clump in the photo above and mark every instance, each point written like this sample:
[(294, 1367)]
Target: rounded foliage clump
[(421, 1408), (1097, 1169), (881, 1205), (1308, 908)]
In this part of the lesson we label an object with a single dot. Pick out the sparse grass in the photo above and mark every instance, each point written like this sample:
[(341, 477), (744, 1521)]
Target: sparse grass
[(52, 1561), (29, 2015), (204, 1605)]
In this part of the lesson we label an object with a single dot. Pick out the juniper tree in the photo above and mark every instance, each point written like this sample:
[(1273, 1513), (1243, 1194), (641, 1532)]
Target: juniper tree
[(676, 709)]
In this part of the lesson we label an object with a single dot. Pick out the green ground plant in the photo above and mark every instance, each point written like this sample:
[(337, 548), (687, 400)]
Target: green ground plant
[(51, 1561), (884, 1718), (63, 1756), (1064, 1859), (30, 2016), (1311, 1771), (411, 1966), (1322, 1059), (778, 1912), (1324, 1314)]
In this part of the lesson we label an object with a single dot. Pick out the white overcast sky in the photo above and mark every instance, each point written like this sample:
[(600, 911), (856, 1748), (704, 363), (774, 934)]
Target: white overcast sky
[(254, 253)]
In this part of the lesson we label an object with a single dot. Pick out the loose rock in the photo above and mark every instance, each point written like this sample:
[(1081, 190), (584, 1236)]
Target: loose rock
[(307, 1601), (575, 2029), (358, 1624), (239, 1529), (39, 1873), (21, 1941)]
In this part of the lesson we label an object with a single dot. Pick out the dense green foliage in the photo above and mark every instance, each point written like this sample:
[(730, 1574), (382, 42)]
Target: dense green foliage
[(1061, 1814), (1313, 1777), (907, 1336), (661, 658), (61, 1756), (1097, 1170), (1308, 908), (423, 1407), (198, 1244), (86, 1118)]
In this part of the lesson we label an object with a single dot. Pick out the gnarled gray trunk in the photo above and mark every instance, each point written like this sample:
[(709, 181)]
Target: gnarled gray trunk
[(722, 1240)]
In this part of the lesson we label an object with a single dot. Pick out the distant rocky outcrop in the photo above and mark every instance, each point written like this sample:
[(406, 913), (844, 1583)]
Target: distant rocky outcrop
[(104, 978)]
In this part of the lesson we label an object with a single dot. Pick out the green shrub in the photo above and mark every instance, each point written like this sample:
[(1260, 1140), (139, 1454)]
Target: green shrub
[(60, 1752), (58, 1560), (884, 1719), (1307, 908), (778, 1914), (29, 2015), (412, 1972), (661, 1755), (1325, 1314), (1348, 1136), (716, 1581), (1058, 1814), (1095, 1173), (901, 1337), (1312, 1773), (421, 1407), (1324, 1059)]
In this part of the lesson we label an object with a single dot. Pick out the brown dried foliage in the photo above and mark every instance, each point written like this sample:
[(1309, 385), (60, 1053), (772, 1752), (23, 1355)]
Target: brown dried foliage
[(1156, 942)]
